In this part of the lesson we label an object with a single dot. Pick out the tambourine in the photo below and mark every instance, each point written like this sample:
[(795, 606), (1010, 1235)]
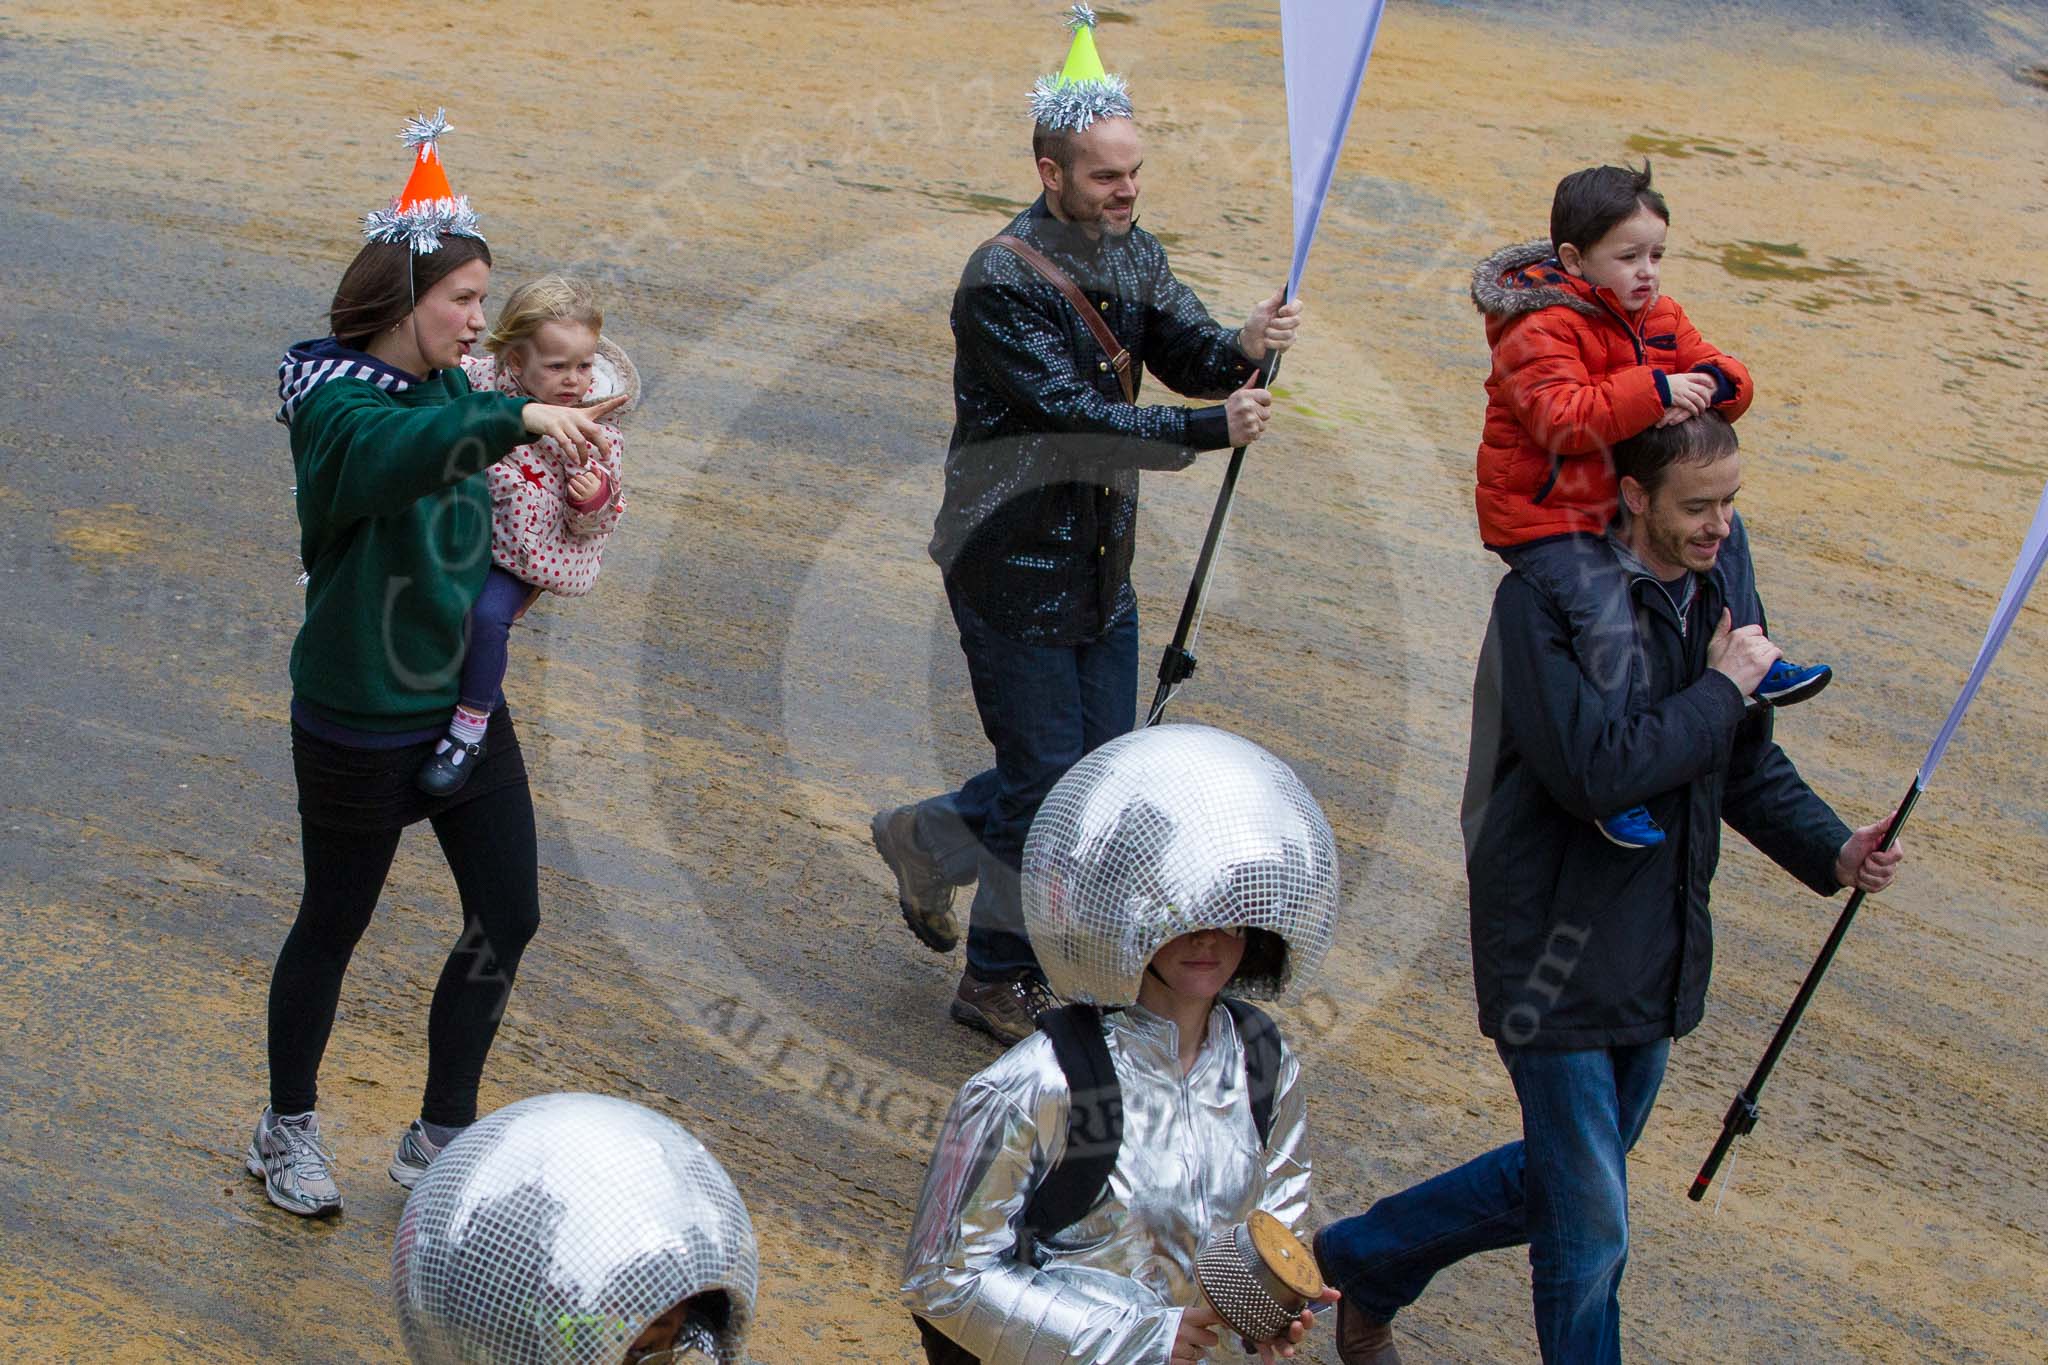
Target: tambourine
[(1259, 1278)]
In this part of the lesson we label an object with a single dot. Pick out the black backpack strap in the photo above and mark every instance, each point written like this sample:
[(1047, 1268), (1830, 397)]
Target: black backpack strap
[(1095, 1128), (1261, 1038), (1095, 1132), (1095, 1125)]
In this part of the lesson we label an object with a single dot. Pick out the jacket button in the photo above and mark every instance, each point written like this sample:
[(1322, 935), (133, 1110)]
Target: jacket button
[(1102, 365), (1102, 549), (1105, 491), (1104, 305)]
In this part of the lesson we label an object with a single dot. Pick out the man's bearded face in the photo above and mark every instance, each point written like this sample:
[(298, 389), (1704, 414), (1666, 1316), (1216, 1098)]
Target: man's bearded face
[(1099, 190)]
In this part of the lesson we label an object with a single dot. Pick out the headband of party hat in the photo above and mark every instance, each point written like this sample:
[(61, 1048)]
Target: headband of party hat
[(428, 208), (1082, 91)]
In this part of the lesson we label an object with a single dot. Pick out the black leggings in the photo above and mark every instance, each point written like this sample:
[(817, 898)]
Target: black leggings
[(489, 844)]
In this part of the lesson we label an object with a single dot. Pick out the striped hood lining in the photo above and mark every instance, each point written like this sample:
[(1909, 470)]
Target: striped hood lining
[(309, 364), (1525, 279)]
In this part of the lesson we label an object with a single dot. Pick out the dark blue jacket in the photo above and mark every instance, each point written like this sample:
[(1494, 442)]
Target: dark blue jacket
[(1041, 502), (1577, 943)]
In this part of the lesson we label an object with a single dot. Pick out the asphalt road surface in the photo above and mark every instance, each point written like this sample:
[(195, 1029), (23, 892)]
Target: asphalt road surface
[(775, 200)]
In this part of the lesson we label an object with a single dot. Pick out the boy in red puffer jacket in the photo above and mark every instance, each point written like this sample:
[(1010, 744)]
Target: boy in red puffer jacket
[(1587, 351)]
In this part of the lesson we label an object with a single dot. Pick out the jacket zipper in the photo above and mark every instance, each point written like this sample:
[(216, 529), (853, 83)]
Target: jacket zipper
[(1642, 358), (1189, 1154), (1684, 898), (1634, 338)]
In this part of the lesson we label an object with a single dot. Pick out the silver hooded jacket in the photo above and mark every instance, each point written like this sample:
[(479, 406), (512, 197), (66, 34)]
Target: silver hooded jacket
[(1109, 1289)]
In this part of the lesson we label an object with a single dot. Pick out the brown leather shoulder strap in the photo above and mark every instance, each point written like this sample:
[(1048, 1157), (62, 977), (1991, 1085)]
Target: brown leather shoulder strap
[(1119, 356)]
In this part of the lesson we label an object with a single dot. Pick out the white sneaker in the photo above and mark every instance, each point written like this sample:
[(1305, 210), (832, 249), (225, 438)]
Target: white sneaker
[(415, 1153), (296, 1168)]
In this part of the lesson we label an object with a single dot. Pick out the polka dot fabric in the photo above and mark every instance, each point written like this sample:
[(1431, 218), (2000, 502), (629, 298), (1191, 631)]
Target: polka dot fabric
[(536, 536)]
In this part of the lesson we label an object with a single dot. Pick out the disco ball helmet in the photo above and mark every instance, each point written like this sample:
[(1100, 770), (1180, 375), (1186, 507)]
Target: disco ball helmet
[(555, 1230), (1166, 831)]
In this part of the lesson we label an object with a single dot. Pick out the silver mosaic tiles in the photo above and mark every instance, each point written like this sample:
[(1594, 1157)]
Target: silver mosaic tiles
[(555, 1230), (1165, 831)]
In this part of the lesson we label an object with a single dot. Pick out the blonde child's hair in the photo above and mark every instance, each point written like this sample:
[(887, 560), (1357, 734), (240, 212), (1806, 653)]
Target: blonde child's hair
[(551, 298)]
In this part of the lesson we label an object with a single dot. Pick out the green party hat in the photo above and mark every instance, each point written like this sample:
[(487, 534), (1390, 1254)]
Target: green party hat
[(1083, 91), (1084, 63)]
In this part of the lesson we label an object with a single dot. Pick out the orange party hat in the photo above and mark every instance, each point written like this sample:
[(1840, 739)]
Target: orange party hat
[(428, 209), (428, 182)]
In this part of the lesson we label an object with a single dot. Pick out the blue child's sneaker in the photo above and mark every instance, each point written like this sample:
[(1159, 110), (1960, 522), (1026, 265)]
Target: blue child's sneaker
[(1632, 829), (1788, 683)]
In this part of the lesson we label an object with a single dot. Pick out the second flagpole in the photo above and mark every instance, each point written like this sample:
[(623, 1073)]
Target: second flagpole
[(1177, 664)]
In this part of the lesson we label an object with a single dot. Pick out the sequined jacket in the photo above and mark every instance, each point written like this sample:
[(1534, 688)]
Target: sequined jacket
[(1041, 500), (1110, 1288)]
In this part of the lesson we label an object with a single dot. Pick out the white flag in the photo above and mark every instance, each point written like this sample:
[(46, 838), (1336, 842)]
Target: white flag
[(1325, 45), (2024, 572)]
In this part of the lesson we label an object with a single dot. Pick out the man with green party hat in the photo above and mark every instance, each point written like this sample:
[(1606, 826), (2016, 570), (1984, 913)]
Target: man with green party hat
[(1054, 322)]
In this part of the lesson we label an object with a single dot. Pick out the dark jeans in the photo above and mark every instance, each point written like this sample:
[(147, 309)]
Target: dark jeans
[(1563, 1190), (489, 843), (1043, 707), (1577, 572), (949, 827), (502, 601)]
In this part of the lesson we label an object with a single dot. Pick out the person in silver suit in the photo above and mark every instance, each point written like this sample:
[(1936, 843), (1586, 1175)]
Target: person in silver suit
[(1168, 867)]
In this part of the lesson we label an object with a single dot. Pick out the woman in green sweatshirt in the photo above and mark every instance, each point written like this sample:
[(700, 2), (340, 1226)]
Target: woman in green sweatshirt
[(390, 445)]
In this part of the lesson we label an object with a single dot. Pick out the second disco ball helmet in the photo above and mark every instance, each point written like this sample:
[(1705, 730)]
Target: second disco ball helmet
[(555, 1230), (1165, 831)]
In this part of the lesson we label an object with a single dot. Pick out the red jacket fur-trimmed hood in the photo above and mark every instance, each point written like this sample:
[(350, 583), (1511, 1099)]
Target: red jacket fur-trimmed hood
[(1573, 373)]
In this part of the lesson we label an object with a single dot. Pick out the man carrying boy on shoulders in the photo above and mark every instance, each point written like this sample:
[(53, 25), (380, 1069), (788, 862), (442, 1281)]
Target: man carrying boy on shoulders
[(1589, 959)]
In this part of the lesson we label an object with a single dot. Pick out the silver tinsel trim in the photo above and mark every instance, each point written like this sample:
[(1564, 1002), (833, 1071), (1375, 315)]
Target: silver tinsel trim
[(1080, 17), (1070, 108), (424, 225), (421, 132)]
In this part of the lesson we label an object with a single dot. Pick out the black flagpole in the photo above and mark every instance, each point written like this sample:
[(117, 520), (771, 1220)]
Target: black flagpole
[(1177, 664), (1742, 1114)]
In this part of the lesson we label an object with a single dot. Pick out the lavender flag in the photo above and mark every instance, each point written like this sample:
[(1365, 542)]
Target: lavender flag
[(1325, 45), (2024, 572)]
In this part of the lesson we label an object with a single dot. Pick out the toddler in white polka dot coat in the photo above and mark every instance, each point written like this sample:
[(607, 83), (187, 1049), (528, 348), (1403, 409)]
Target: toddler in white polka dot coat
[(551, 511), (541, 532)]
